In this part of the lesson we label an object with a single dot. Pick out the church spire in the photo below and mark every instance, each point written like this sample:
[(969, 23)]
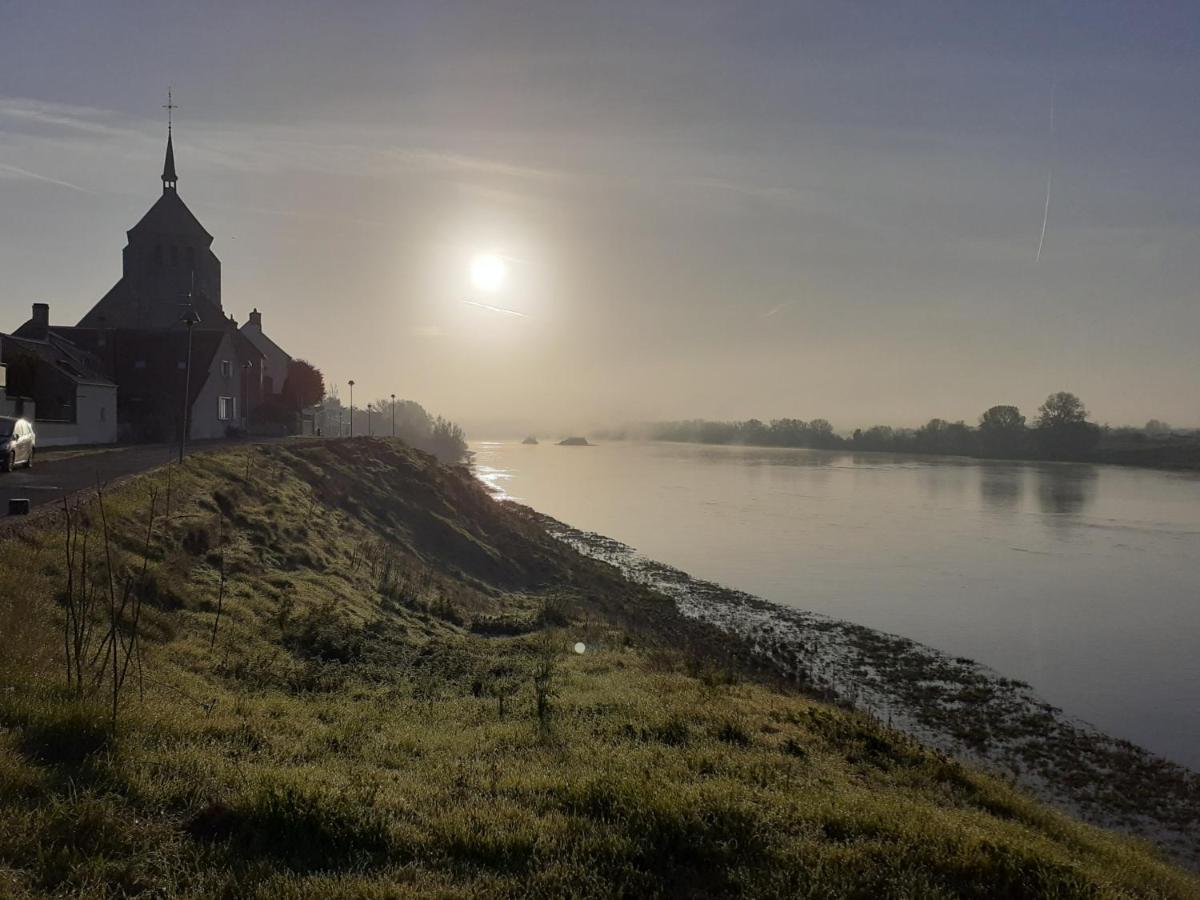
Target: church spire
[(168, 176)]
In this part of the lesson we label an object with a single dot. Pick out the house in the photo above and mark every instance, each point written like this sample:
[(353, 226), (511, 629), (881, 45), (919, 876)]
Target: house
[(275, 359), (60, 387)]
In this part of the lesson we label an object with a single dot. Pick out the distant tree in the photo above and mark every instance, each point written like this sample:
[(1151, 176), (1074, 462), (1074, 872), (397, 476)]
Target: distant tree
[(959, 439), (448, 441), (788, 432), (305, 385), (1002, 431), (822, 435), (717, 433), (1063, 408), (877, 437), (753, 432), (1062, 428), (931, 437), (1157, 428), (415, 427)]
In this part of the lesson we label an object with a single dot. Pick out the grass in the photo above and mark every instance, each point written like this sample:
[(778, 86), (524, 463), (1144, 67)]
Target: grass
[(368, 723)]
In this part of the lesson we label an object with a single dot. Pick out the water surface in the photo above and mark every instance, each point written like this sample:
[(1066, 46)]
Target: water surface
[(1082, 580)]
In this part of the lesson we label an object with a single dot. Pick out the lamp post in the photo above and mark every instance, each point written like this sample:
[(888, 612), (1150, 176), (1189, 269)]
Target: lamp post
[(393, 415), (351, 407), (190, 319)]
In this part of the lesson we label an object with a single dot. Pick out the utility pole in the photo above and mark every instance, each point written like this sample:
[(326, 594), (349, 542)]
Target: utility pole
[(351, 407), (393, 415), (246, 367), (190, 319), (368, 420)]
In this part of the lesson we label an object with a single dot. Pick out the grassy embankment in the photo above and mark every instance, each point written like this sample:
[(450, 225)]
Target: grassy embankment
[(367, 721)]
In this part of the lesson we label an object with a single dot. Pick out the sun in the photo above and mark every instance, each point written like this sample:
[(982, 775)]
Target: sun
[(488, 272)]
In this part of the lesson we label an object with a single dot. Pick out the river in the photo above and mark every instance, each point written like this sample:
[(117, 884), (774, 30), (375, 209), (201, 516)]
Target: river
[(1082, 580)]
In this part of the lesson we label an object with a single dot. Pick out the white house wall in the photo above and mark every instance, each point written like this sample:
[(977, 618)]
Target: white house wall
[(205, 420), (96, 413)]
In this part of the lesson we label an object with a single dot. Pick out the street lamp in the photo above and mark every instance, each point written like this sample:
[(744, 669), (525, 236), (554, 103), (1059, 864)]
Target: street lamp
[(190, 319), (351, 407), (393, 415)]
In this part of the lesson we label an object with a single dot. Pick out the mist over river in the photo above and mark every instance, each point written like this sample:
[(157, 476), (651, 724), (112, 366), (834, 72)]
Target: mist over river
[(1082, 580)]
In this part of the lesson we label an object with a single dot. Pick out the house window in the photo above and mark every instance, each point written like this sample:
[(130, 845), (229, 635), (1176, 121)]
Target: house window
[(226, 369), (226, 409)]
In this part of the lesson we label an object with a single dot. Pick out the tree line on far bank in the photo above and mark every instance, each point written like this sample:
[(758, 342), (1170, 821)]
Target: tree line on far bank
[(1061, 430)]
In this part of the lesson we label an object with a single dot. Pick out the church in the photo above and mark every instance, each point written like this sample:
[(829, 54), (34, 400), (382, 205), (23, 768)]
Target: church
[(159, 333)]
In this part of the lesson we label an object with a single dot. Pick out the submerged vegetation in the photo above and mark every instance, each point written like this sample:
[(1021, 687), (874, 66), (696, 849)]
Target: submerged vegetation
[(354, 673)]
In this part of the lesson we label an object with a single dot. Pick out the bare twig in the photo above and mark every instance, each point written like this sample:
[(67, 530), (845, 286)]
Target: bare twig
[(221, 589)]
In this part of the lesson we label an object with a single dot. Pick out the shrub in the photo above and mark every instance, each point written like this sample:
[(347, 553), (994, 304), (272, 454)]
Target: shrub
[(326, 635)]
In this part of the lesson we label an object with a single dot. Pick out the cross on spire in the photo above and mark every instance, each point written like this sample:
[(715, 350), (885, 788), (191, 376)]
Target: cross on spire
[(168, 176), (169, 106)]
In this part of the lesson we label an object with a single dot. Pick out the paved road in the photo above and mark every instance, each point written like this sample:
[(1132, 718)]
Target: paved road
[(52, 477)]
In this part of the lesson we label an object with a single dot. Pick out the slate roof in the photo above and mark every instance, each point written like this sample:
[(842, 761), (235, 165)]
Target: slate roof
[(54, 350), (119, 306), (170, 215), (258, 338)]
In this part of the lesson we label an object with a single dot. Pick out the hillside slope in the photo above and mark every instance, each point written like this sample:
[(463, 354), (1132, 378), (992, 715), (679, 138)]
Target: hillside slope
[(390, 703)]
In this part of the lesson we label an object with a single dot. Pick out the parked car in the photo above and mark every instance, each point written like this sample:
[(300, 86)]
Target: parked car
[(17, 440)]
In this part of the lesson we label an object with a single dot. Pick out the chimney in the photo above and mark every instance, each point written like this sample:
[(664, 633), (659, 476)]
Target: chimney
[(256, 318), (41, 315)]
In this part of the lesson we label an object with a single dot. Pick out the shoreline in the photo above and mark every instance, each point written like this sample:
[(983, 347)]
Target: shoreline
[(952, 704)]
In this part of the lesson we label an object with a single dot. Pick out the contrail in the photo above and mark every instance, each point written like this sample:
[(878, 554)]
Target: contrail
[(17, 172), (499, 309), (775, 310), (1045, 216), (1049, 173)]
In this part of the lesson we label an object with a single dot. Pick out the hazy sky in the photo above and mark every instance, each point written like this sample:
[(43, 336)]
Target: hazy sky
[(710, 209)]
